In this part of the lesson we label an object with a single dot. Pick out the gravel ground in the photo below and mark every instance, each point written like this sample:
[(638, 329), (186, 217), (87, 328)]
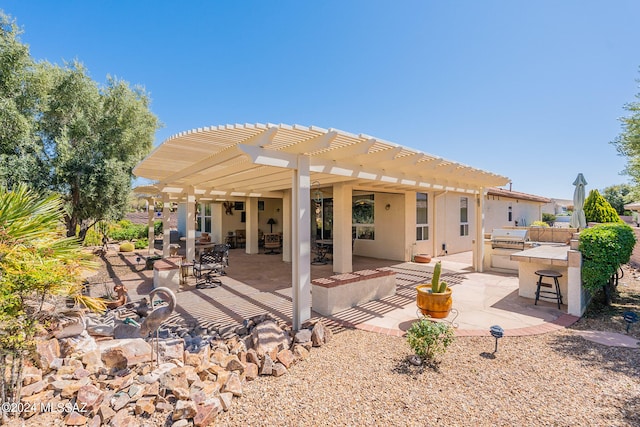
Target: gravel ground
[(363, 378)]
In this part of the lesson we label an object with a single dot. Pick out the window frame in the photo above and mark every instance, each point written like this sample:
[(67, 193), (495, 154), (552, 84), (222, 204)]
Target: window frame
[(422, 227), (363, 230), (464, 216)]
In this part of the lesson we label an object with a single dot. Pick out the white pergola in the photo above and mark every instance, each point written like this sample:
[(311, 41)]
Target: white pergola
[(281, 161)]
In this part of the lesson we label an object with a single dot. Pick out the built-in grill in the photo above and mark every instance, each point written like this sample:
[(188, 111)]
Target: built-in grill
[(504, 238)]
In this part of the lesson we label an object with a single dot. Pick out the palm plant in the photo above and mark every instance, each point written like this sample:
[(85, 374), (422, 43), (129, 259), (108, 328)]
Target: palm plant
[(36, 262)]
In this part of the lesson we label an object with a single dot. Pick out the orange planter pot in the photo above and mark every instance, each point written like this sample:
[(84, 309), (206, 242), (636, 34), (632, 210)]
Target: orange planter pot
[(436, 305), (422, 258)]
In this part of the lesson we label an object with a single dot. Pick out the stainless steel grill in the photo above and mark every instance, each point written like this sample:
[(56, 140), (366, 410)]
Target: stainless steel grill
[(509, 238)]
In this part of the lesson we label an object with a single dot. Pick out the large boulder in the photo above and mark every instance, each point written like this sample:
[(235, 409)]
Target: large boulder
[(268, 336), (121, 354)]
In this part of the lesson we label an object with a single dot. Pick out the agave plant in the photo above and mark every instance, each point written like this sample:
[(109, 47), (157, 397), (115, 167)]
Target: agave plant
[(438, 287)]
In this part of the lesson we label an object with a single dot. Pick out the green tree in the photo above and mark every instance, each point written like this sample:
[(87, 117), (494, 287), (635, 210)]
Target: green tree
[(618, 196), (628, 142), (22, 90), (597, 209), (95, 136), (63, 132)]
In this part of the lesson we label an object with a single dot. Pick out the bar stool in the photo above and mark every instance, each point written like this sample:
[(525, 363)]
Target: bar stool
[(554, 295)]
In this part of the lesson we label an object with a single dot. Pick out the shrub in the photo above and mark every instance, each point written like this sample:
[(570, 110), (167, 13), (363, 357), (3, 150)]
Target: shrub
[(127, 247), (141, 243), (549, 218), (93, 238), (604, 247), (597, 209), (157, 228), (129, 232), (429, 339), (539, 224)]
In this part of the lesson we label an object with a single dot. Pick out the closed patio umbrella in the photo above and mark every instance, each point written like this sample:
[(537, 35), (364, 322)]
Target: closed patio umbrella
[(577, 217)]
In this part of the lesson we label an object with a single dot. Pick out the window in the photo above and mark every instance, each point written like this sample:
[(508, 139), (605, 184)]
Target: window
[(464, 216), (203, 217), (363, 205), (422, 221)]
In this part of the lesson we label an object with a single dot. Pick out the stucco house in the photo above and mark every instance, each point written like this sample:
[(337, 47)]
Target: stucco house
[(367, 196), (507, 208)]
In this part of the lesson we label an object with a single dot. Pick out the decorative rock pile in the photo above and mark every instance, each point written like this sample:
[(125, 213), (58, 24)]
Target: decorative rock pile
[(115, 382)]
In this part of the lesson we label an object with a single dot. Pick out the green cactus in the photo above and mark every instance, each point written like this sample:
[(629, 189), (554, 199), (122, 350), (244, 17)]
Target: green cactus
[(437, 287), (127, 247)]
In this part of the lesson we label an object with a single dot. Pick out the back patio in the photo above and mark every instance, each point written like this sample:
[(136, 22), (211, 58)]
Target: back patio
[(258, 283)]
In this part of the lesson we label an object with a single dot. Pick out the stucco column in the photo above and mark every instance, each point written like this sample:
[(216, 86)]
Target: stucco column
[(300, 233), (342, 222), (287, 243), (576, 298), (166, 230), (410, 221), (191, 224), (216, 223), (251, 208), (150, 217)]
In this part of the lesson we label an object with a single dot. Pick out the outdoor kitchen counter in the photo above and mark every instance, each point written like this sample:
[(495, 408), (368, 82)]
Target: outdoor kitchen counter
[(549, 254), (544, 257)]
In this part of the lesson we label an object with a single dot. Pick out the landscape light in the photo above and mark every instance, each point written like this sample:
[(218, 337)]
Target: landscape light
[(497, 332)]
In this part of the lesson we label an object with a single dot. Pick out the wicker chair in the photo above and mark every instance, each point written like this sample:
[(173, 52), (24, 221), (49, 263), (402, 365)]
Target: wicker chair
[(241, 238), (272, 243)]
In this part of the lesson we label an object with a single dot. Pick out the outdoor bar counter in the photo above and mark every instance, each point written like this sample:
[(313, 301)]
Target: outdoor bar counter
[(561, 258)]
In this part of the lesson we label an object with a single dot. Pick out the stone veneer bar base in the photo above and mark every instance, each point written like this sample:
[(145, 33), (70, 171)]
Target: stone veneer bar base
[(330, 295)]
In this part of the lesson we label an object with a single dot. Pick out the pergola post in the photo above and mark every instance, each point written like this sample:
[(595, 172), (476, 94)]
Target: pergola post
[(342, 236), (251, 207), (190, 251), (478, 247), (150, 217), (166, 228), (287, 243), (300, 235)]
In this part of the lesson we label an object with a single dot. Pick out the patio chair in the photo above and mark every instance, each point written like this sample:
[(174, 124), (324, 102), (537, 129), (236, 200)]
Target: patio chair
[(241, 238), (211, 263), (271, 242)]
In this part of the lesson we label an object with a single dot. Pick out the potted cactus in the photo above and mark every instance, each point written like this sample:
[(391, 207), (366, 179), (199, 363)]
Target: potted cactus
[(434, 299)]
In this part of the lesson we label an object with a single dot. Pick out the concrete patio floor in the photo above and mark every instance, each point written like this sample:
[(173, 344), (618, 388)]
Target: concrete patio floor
[(258, 284)]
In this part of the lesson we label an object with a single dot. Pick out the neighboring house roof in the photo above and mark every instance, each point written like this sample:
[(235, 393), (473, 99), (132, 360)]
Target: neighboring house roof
[(633, 206), (251, 160), (517, 195)]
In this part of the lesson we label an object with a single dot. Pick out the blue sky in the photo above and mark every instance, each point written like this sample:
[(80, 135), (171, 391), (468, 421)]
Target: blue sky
[(529, 90)]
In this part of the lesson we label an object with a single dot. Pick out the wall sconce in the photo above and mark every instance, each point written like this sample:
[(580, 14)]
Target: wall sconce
[(387, 207)]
